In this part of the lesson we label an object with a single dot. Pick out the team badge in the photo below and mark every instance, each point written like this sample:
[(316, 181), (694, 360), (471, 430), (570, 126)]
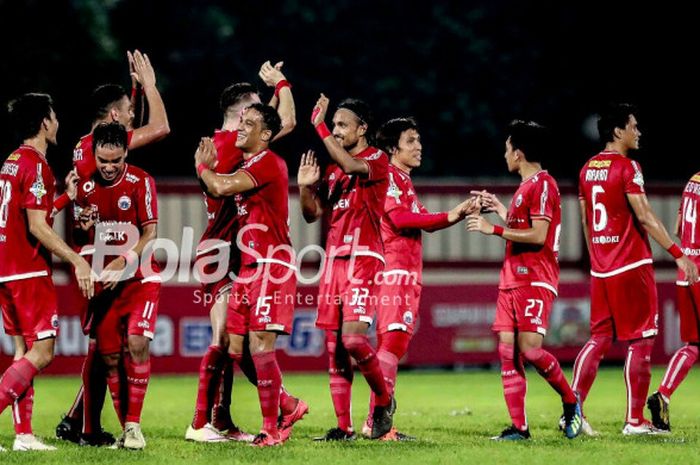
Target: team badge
[(38, 189), (124, 202), (54, 321), (393, 190), (408, 317), (519, 200)]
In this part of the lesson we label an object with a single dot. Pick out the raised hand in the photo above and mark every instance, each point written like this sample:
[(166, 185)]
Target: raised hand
[(132, 69), (143, 71), (206, 153), (309, 171), (86, 218), (72, 184), (318, 115), (271, 75)]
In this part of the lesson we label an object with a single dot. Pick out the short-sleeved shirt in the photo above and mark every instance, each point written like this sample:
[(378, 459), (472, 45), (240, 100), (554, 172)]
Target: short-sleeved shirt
[(357, 203), (688, 227), (537, 198), (84, 157), (26, 182), (263, 212), (130, 199), (618, 241), (403, 248)]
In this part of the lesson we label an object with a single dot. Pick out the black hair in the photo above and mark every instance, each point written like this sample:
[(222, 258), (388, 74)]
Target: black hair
[(389, 133), (109, 134), (530, 138), (362, 111), (271, 120), (27, 112), (234, 94), (103, 98), (615, 115)]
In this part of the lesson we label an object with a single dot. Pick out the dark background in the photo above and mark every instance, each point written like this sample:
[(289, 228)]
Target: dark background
[(464, 69)]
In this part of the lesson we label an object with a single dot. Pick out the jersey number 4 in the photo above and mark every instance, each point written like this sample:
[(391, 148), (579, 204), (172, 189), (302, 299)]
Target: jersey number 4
[(690, 215)]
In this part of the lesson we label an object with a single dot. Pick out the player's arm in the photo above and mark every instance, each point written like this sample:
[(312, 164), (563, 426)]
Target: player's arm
[(347, 162), (39, 228), (677, 226), (491, 204), (69, 195), (655, 228), (584, 225), (112, 274), (282, 100), (157, 126), (307, 178), (219, 185), (535, 235), (403, 218)]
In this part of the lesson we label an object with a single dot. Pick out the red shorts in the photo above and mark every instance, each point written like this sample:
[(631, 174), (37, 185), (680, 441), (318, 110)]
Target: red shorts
[(262, 299), (206, 269), (133, 305), (398, 302), (29, 308), (523, 309), (689, 310), (348, 291), (625, 306)]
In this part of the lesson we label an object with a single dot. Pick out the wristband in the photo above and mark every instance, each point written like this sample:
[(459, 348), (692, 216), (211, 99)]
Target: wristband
[(130, 257), (322, 130), (281, 85), (498, 230), (61, 202), (201, 168), (675, 251)]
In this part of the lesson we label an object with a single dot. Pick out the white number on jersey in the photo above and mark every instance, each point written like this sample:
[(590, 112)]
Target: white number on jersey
[(690, 215), (5, 196), (602, 214)]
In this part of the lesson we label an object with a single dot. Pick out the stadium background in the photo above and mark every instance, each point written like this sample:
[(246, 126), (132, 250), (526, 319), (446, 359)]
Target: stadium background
[(464, 69)]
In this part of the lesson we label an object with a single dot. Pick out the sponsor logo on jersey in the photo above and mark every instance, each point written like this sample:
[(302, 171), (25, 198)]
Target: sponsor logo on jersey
[(599, 163), (89, 186), (347, 238), (78, 153), (519, 200), (144, 324), (522, 270), (132, 178), (408, 317), (359, 310), (14, 157), (696, 178), (124, 202), (10, 169), (254, 160), (54, 321), (374, 156)]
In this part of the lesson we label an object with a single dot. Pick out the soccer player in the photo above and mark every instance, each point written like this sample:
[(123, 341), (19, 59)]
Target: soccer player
[(110, 103), (27, 294), (262, 305), (529, 278), (616, 218), (352, 190), (212, 418), (402, 224), (120, 194), (688, 307)]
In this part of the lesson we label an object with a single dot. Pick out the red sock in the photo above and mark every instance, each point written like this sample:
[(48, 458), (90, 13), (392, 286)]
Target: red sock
[(586, 365), (392, 346), (514, 385), (115, 390), (359, 348), (341, 375), (210, 370), (548, 367), (137, 377), (94, 376), (287, 401), (76, 410), (678, 368), (269, 383), (22, 412), (15, 381), (637, 378)]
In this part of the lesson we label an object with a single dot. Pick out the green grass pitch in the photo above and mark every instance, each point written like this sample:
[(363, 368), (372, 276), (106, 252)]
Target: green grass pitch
[(452, 414)]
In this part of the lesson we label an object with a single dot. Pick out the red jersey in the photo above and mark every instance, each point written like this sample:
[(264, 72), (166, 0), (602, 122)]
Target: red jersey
[(358, 206), (688, 223), (130, 199), (403, 248), (26, 182), (618, 241), (263, 212), (537, 198), (84, 157), (222, 212)]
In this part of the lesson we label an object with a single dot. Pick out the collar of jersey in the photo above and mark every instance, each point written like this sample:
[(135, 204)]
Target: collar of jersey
[(532, 176)]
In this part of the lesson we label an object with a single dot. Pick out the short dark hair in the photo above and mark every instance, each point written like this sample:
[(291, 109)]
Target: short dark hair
[(27, 112), (111, 134), (530, 138), (389, 133), (361, 110), (615, 115), (234, 94), (103, 98), (270, 118)]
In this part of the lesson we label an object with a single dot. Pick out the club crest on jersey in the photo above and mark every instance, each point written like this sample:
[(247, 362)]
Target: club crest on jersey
[(89, 186), (519, 200), (408, 317), (54, 321), (638, 178), (124, 202), (38, 189), (393, 190)]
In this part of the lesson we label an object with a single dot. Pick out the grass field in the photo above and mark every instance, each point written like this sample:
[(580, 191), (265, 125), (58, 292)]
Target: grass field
[(452, 414)]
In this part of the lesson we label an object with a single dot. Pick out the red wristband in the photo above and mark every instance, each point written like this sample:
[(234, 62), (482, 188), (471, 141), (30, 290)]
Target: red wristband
[(61, 201), (322, 130), (281, 85), (497, 230), (675, 251), (130, 257), (201, 168), (134, 92)]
